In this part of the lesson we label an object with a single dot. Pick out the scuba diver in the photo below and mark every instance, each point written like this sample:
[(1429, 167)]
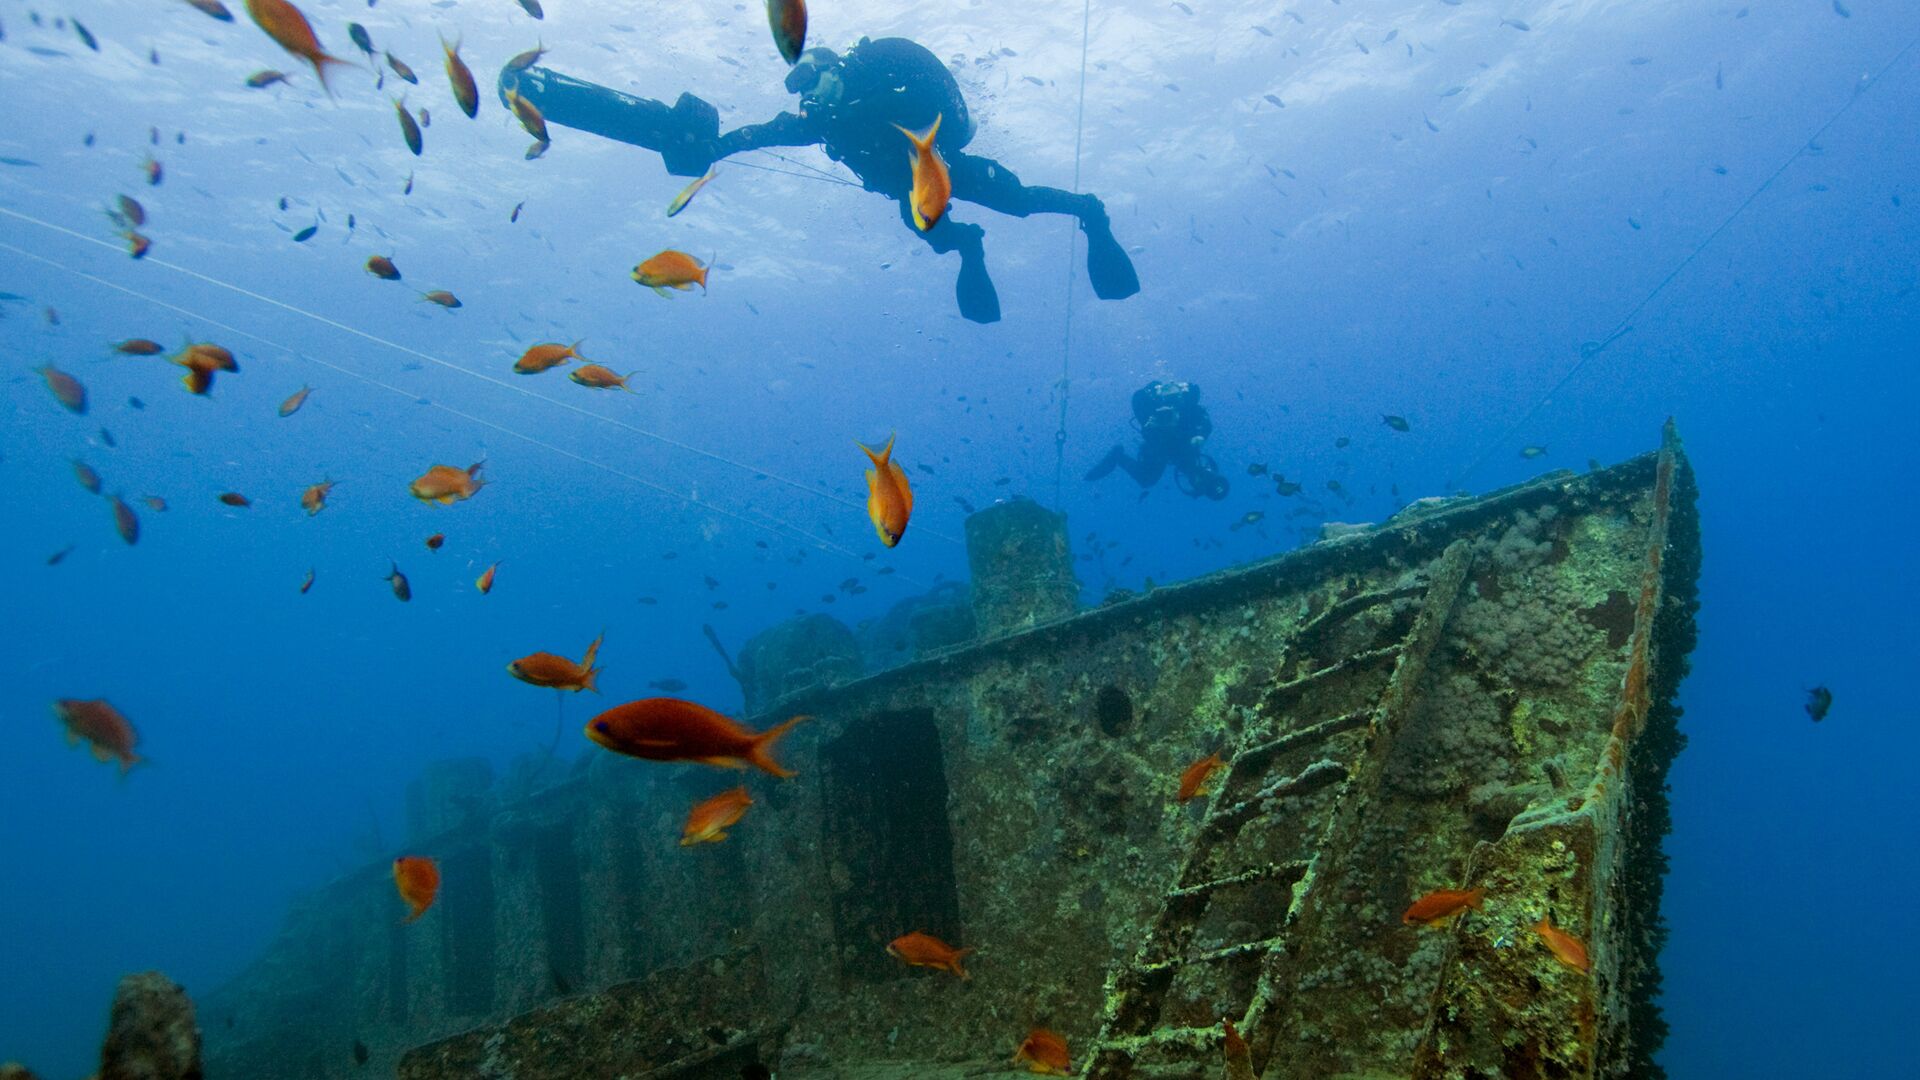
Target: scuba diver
[(1172, 427), (849, 105)]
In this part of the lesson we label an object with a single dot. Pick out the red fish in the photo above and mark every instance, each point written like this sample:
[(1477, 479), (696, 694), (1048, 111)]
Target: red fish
[(292, 404), (932, 187), (788, 20), (235, 499), (206, 355), (104, 729), (1193, 779), (125, 521), (924, 950), (465, 90), (1442, 904), (1044, 1052), (545, 356), (708, 822), (286, 25), (314, 499), (889, 497), (66, 389), (601, 377), (670, 729), (1566, 948), (446, 485), (558, 672), (434, 541), (1236, 1058), (418, 879), (139, 347), (671, 270)]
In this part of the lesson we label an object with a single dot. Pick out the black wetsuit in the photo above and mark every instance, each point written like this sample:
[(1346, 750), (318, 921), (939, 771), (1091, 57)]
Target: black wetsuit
[(1172, 428), (848, 107)]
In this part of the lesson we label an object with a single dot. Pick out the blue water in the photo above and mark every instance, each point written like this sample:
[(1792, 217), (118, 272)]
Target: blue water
[(1436, 255)]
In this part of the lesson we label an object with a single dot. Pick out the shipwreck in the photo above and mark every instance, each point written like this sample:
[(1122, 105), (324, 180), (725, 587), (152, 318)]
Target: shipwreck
[(1475, 694)]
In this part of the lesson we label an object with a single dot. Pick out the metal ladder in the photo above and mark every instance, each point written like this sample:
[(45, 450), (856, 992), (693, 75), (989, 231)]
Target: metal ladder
[(1137, 988)]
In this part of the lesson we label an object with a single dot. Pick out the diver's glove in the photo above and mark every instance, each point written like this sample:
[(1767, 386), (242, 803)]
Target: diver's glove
[(693, 142)]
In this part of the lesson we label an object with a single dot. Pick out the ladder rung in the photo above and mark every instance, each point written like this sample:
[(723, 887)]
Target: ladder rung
[(1185, 1038), (1320, 732), (1308, 780), (1214, 956), (1352, 604), (1294, 687), (1296, 870)]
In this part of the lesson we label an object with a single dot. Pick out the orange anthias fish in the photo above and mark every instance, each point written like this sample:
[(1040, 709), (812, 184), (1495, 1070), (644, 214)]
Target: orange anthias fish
[(687, 193), (1566, 948), (485, 581), (600, 377), (125, 521), (84, 473), (447, 485), (442, 297), (214, 8), (558, 672), (139, 347), (465, 91), (529, 116), (286, 25), (1236, 1058), (292, 404), (1442, 904), (66, 389), (669, 729), (314, 499), (206, 355), (410, 131), (1193, 779), (434, 541), (546, 356), (418, 879), (1045, 1052), (708, 822), (234, 498), (788, 20), (889, 498), (924, 950), (671, 270), (201, 361), (106, 731), (382, 267), (932, 187)]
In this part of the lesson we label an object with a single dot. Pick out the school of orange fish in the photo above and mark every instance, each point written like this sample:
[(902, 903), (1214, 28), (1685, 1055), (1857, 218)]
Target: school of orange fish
[(664, 729)]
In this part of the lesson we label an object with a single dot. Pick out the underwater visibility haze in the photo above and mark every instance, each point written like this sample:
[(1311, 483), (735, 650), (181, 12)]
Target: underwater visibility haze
[(1213, 275)]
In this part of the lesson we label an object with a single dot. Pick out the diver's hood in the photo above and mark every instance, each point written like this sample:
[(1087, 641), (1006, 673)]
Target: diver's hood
[(806, 70)]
